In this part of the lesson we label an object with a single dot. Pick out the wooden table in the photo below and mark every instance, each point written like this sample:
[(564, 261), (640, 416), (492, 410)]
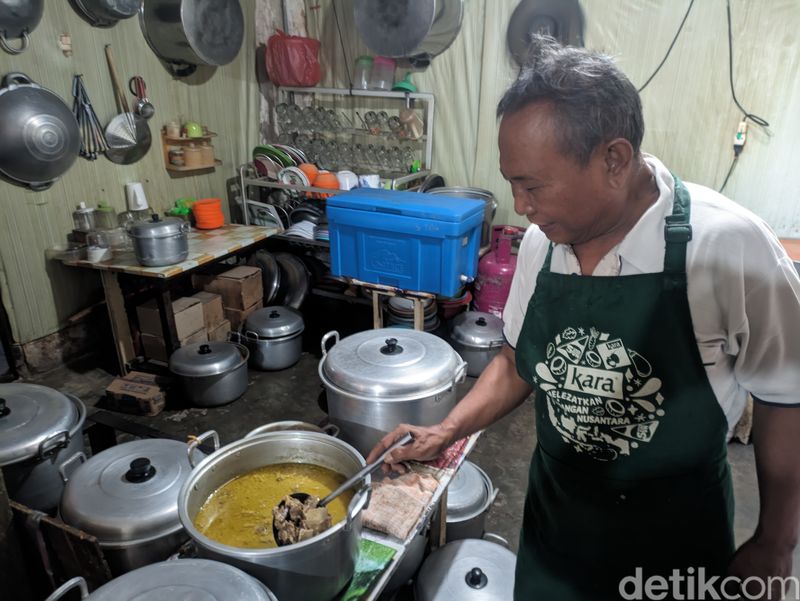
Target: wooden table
[(205, 246)]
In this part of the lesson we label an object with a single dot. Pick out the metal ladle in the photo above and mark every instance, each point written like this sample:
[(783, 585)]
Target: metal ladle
[(354, 479)]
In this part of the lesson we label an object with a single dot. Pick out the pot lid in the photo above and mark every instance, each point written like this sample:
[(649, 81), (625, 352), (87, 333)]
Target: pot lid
[(391, 362), (205, 359), (476, 328), (200, 579), (274, 322), (29, 414), (468, 570), (469, 493), (157, 227), (128, 492)]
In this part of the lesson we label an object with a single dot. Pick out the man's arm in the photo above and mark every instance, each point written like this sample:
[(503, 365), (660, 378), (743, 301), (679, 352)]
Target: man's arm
[(497, 392), (776, 437)]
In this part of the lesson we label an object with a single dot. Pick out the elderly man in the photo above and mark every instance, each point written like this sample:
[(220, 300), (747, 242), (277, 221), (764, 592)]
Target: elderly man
[(643, 311)]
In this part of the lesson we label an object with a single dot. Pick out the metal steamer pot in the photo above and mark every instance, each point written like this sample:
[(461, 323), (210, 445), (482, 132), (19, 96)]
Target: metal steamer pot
[(274, 337), (489, 209), (312, 570), (41, 138), (418, 30), (377, 379), (467, 570), (186, 33), (40, 428), (469, 498), (196, 579), (477, 337), (160, 242), (211, 373), (127, 497)]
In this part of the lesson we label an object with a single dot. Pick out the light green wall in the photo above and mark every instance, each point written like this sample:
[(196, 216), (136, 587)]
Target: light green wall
[(40, 297)]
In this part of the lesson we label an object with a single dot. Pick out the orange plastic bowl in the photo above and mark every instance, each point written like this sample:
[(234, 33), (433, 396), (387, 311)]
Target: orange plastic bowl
[(310, 171)]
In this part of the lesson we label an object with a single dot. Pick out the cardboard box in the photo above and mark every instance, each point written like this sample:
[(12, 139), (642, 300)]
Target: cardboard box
[(237, 317), (213, 315), (239, 287), (134, 397), (156, 348), (220, 332), (145, 378), (188, 317)]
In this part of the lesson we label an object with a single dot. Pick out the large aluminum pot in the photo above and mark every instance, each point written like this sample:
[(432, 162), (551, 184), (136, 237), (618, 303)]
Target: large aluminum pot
[(477, 337), (313, 570), (479, 194), (469, 498), (274, 337), (40, 428), (419, 30), (40, 135), (176, 580), (18, 19), (211, 373), (193, 32), (160, 242), (380, 378), (106, 13), (282, 426), (127, 497)]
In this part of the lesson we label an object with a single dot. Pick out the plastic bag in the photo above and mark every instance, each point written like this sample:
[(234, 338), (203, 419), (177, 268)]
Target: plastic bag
[(293, 60)]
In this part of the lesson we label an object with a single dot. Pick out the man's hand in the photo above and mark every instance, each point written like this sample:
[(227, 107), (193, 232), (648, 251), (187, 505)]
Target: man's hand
[(761, 560), (429, 442)]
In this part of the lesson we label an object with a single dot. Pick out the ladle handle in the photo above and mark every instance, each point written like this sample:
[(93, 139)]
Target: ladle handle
[(364, 471)]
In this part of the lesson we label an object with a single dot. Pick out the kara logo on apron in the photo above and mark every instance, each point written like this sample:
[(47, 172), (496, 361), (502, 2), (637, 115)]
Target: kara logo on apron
[(601, 396)]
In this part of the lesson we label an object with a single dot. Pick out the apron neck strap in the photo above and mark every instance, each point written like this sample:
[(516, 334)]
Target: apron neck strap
[(677, 230)]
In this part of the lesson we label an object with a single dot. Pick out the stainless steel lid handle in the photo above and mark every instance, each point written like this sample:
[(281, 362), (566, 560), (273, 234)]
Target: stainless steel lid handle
[(196, 441), (461, 373), (68, 586), (324, 343), (62, 469)]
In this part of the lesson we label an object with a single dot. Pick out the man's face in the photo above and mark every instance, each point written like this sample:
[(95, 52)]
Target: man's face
[(568, 202)]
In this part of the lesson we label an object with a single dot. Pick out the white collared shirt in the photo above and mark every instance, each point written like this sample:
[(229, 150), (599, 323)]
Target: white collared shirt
[(744, 292)]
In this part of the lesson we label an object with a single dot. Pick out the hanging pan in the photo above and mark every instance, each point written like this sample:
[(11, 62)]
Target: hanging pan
[(128, 135), (106, 13), (18, 18), (40, 135)]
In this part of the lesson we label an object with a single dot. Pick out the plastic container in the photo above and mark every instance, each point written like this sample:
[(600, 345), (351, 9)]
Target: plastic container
[(382, 74), (208, 213), (105, 217), (83, 218), (363, 69), (404, 239)]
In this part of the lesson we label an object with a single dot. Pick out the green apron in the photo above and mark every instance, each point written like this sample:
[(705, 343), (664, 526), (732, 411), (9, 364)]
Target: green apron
[(630, 469)]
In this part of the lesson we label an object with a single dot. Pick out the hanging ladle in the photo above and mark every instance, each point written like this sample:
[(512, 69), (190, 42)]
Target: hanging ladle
[(354, 479)]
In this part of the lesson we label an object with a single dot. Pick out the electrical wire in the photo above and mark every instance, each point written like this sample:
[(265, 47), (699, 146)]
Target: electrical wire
[(672, 44), (730, 170), (341, 43), (754, 118)]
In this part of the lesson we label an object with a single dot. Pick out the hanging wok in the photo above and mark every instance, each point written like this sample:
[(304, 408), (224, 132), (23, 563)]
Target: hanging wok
[(40, 135), (18, 18), (187, 33), (106, 13)]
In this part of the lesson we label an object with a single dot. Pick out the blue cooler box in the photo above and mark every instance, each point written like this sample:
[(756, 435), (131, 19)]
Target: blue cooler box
[(413, 241)]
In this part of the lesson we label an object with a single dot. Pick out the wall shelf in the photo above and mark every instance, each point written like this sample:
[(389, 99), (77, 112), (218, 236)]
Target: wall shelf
[(170, 142)]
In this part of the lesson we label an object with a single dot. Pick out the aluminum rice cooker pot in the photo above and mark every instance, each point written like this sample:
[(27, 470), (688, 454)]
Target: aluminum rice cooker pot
[(274, 337), (211, 373), (316, 569), (377, 379), (127, 497), (470, 495), (477, 337), (176, 580), (160, 242), (467, 570), (40, 428)]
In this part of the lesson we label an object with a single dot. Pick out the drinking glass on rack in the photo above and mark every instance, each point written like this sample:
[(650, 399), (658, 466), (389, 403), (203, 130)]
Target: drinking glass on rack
[(309, 118), (285, 138), (394, 125), (333, 120), (396, 159), (372, 122), (282, 112), (321, 117), (383, 120)]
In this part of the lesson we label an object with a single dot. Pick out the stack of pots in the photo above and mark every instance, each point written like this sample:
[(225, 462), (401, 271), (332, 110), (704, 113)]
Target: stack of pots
[(377, 379), (316, 569), (211, 373), (160, 242), (274, 337), (174, 580), (40, 428), (400, 313), (469, 498), (127, 497), (477, 337)]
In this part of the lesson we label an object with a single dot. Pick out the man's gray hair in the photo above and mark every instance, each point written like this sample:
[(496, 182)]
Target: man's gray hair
[(593, 101)]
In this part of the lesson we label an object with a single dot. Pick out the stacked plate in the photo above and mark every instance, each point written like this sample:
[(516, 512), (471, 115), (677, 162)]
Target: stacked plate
[(270, 159), (399, 312)]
